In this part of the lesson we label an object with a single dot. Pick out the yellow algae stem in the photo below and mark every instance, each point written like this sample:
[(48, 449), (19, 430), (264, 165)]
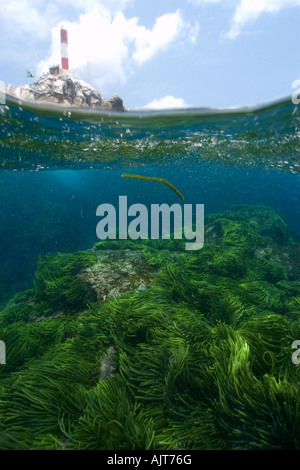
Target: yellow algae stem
[(154, 178)]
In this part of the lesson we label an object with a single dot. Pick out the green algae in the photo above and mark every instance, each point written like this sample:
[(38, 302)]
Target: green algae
[(154, 178), (58, 283), (199, 360)]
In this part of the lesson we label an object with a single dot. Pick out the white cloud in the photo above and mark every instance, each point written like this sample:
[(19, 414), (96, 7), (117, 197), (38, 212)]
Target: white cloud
[(167, 102), (90, 5), (203, 2), (149, 42), (86, 6), (36, 17), (193, 32), (249, 10), (113, 45), (99, 33), (27, 16)]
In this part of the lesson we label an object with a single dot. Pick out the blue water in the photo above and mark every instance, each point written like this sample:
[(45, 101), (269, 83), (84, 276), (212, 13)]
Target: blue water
[(214, 158), (155, 348)]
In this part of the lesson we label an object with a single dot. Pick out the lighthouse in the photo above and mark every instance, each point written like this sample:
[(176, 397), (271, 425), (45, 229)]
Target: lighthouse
[(64, 49)]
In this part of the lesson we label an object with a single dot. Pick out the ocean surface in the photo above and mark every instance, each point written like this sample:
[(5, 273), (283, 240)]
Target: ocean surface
[(57, 166)]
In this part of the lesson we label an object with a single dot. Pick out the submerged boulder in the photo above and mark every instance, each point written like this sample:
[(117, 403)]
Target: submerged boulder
[(60, 87)]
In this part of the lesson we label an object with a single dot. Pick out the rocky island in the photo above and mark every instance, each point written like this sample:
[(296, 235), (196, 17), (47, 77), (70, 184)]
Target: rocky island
[(60, 87)]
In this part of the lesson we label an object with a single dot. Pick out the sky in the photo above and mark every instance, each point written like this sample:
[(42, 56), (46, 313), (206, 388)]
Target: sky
[(159, 53)]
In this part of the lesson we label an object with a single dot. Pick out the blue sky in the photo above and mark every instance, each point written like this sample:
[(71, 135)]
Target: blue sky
[(160, 53)]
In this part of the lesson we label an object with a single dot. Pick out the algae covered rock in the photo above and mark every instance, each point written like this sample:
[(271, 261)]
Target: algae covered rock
[(117, 272), (247, 225), (59, 282), (146, 346)]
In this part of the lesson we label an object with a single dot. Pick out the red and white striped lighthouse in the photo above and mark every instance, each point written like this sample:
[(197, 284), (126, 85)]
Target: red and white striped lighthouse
[(64, 49)]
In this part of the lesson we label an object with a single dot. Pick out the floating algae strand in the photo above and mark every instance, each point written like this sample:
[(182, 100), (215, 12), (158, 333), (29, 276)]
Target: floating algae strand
[(154, 178)]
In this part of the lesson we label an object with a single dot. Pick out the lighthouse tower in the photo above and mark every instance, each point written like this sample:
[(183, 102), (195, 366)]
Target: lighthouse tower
[(64, 49)]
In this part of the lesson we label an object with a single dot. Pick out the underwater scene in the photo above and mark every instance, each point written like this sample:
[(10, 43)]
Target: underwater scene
[(142, 340)]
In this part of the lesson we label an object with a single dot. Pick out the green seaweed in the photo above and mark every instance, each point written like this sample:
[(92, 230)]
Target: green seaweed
[(58, 282), (154, 178), (199, 360)]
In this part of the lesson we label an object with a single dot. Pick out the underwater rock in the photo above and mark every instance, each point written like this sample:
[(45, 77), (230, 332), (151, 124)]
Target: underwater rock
[(70, 282), (117, 272), (60, 87), (107, 364)]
